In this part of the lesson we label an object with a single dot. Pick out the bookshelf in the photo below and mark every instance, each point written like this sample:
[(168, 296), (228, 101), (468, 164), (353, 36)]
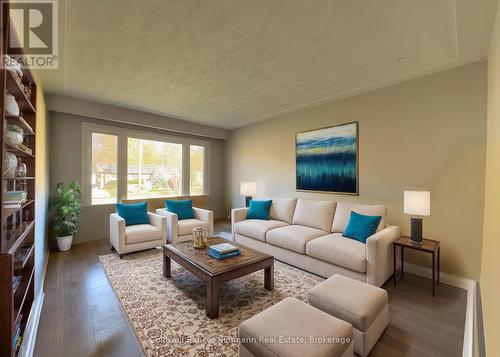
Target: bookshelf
[(17, 239)]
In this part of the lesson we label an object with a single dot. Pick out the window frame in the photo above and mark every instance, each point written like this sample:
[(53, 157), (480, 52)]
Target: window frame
[(123, 134)]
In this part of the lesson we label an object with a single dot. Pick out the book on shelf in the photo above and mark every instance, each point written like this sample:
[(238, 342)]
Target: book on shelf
[(16, 340), (10, 205), (21, 254), (14, 196), (14, 199), (223, 248), (218, 256), (16, 280)]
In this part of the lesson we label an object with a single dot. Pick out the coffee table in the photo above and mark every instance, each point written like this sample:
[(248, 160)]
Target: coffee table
[(214, 272)]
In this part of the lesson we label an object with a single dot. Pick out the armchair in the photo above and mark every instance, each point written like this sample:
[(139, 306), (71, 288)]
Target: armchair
[(181, 231), (127, 239)]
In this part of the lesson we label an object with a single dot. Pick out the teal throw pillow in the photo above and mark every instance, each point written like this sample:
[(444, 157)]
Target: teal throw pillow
[(259, 209), (360, 227), (135, 213), (182, 208)]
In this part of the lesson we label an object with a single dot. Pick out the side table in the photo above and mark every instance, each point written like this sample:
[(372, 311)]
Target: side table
[(428, 246)]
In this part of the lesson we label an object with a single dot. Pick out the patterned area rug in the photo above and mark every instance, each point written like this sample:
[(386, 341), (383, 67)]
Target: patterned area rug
[(168, 315)]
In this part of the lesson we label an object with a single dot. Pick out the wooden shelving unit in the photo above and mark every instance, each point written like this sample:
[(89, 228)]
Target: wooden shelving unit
[(17, 237)]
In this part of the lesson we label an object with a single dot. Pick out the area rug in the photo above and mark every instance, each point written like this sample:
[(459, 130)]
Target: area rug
[(168, 315)]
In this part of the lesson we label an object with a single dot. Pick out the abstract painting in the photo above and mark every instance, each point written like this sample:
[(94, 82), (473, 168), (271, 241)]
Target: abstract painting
[(327, 159)]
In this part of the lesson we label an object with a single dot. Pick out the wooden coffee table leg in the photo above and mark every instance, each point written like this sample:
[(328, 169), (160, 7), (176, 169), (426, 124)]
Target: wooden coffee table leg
[(166, 266), (269, 277), (212, 299)]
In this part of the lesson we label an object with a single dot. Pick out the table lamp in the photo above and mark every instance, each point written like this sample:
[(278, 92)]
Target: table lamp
[(248, 189), (417, 203)]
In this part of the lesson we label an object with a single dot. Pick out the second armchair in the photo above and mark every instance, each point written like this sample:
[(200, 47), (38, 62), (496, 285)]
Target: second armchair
[(182, 230)]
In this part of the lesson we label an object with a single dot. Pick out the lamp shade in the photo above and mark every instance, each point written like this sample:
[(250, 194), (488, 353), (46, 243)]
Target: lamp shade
[(248, 189), (418, 203)]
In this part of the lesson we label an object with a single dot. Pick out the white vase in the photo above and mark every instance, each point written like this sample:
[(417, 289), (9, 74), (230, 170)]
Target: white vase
[(64, 243)]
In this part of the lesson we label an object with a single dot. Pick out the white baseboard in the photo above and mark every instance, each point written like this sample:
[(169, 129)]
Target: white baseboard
[(467, 284), (27, 348)]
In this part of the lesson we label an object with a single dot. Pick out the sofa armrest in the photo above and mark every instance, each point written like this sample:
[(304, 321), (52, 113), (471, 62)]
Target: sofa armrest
[(117, 232), (205, 216), (379, 255), (237, 215), (172, 224), (160, 222)]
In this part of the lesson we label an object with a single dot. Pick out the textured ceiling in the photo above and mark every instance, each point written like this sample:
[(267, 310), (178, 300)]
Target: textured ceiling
[(229, 63)]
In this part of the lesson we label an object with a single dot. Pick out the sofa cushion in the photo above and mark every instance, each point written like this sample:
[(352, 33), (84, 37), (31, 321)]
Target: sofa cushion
[(350, 300), (259, 209), (140, 233), (293, 237), (133, 213), (186, 226), (338, 250), (282, 209), (257, 228), (182, 208), (361, 227), (314, 214), (343, 213), (291, 319)]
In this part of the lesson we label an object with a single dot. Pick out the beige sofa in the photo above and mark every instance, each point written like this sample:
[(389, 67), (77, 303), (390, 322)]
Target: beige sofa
[(308, 235)]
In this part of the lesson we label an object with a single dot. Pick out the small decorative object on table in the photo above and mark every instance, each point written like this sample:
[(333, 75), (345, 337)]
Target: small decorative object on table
[(223, 251), (200, 238), (428, 246)]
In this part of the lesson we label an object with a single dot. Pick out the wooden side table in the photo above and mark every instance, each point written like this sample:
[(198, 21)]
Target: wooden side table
[(428, 246)]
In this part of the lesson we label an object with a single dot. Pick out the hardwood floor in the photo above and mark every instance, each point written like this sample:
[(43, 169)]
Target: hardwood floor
[(82, 316)]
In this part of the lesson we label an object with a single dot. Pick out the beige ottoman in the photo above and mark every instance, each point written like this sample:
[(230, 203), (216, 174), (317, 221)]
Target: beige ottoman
[(293, 328), (365, 306)]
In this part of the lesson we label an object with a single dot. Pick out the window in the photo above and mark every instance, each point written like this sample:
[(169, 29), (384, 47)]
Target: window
[(196, 170), (154, 169), (104, 168), (120, 164)]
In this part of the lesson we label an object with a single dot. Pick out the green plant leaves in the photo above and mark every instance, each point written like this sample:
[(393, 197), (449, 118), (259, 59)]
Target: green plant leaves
[(66, 204)]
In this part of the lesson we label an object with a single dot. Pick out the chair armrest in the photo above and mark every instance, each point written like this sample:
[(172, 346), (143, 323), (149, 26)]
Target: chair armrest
[(379, 255), (205, 216), (172, 229), (237, 215), (160, 222), (117, 232)]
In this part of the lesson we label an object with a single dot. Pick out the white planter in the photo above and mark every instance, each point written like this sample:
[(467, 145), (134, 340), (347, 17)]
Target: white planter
[(64, 243)]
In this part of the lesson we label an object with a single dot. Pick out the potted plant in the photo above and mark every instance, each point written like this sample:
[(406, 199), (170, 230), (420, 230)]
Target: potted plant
[(67, 206)]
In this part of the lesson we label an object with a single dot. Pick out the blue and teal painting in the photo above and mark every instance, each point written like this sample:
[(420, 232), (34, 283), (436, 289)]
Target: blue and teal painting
[(326, 159)]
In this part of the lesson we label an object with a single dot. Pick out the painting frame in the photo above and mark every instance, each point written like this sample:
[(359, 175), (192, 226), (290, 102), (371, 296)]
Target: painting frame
[(356, 191)]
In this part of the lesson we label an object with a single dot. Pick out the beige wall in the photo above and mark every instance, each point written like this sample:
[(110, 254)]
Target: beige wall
[(424, 134), (65, 158), (490, 272), (120, 114)]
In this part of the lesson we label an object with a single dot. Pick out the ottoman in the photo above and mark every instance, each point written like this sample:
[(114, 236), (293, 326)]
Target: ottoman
[(364, 306), (295, 329)]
